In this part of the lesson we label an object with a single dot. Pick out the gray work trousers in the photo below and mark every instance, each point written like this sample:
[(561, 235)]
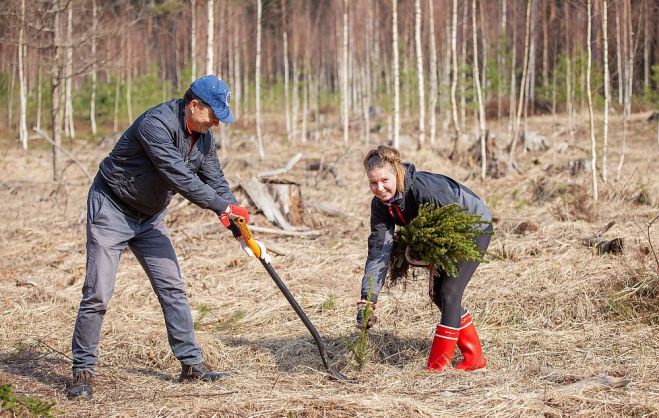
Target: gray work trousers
[(111, 227)]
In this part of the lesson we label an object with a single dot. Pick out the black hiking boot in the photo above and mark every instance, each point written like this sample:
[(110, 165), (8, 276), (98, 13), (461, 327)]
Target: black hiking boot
[(81, 388), (199, 371)]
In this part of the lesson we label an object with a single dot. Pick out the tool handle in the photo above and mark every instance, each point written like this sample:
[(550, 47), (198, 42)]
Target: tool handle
[(247, 236)]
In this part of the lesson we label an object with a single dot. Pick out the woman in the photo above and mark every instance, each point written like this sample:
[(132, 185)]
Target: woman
[(398, 191)]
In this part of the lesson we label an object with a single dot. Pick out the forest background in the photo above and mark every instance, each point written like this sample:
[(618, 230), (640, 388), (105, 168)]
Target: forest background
[(546, 108)]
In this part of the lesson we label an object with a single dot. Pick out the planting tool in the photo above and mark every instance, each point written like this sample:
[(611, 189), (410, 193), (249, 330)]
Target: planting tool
[(251, 243)]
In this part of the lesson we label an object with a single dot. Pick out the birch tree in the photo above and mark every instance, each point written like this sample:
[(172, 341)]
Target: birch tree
[(94, 69), (568, 74), (396, 75), (454, 75), (344, 74), (419, 71), (479, 95), (22, 82), (210, 32), (433, 73), (287, 109), (193, 40), (257, 78), (607, 92), (69, 128), (56, 79), (593, 150), (628, 52), (522, 88)]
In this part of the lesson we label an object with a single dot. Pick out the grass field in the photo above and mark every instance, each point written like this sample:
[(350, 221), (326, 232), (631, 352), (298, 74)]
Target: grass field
[(567, 332)]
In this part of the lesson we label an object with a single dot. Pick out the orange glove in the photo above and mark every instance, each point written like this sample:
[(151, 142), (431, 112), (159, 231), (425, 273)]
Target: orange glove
[(231, 213)]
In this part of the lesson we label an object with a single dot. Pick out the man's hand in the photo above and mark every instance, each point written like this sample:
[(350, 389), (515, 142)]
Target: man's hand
[(264, 254), (362, 305), (232, 212)]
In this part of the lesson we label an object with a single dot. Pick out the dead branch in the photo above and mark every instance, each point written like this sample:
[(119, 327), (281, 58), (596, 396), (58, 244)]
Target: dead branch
[(282, 170), (45, 137)]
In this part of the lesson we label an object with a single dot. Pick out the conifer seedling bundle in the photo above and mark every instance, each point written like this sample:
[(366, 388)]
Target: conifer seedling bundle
[(440, 236)]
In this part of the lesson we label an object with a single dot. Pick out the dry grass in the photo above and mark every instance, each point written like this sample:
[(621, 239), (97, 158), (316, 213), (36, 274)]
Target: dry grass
[(550, 312)]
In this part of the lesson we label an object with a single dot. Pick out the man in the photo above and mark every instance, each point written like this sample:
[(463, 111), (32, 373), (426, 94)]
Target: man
[(169, 149)]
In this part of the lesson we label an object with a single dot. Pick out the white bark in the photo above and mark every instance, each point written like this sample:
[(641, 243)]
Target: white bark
[(523, 86), (568, 76), (619, 55), (257, 78), (56, 80), (433, 74), (344, 74), (69, 128), (287, 109), (463, 65), (628, 39), (22, 114), (607, 92), (396, 75), (419, 72), (193, 39), (92, 98), (454, 75), (593, 149), (479, 95), (210, 32)]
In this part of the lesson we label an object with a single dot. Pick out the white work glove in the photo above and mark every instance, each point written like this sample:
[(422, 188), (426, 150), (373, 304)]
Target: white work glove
[(264, 254)]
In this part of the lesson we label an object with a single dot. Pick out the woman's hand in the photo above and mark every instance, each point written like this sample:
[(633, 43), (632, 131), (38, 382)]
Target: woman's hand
[(365, 313)]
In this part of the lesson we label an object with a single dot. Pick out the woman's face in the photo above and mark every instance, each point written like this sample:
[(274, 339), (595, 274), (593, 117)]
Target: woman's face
[(382, 181)]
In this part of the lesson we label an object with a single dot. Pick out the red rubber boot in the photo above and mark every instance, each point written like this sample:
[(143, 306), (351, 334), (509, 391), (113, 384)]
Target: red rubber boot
[(470, 346), (443, 347)]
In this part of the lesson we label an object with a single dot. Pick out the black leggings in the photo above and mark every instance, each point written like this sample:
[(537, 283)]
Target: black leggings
[(448, 291)]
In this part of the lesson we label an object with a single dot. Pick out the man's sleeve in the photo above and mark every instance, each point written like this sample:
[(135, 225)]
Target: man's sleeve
[(211, 173), (380, 245), (156, 139)]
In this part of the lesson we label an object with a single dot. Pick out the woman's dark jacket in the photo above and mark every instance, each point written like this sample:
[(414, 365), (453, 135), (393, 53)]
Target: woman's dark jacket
[(420, 187)]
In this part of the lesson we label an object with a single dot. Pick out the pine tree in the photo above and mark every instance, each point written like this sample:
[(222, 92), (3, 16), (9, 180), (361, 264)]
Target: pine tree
[(442, 237)]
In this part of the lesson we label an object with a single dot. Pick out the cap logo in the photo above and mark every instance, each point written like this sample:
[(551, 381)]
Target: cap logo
[(227, 99)]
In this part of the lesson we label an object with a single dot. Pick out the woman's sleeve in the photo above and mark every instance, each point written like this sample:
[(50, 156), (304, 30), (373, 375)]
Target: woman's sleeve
[(380, 244)]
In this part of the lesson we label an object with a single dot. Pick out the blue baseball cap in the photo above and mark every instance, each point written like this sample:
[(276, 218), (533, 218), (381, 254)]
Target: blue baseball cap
[(214, 92)]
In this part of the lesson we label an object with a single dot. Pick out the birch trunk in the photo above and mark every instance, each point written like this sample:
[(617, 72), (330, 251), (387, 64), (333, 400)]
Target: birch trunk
[(419, 72), (607, 92), (287, 109), (92, 98), (646, 13), (523, 86), (193, 40), (619, 54), (39, 97), (513, 78), (56, 80), (69, 128), (454, 75), (628, 39), (545, 46), (396, 75), (463, 65), (481, 107), (210, 32), (484, 80), (115, 116), (568, 75), (22, 114), (129, 77), (593, 149), (501, 61), (433, 74), (344, 74), (257, 79)]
